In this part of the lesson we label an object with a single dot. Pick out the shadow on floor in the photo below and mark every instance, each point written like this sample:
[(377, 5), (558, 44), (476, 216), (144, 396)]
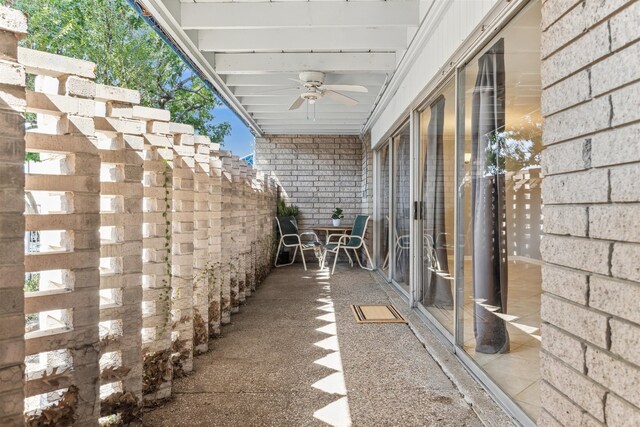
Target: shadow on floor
[(294, 356)]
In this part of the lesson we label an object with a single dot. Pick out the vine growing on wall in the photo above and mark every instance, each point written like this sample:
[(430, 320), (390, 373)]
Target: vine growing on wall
[(165, 294)]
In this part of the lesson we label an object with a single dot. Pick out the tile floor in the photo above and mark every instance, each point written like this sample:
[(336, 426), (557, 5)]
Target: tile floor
[(516, 372)]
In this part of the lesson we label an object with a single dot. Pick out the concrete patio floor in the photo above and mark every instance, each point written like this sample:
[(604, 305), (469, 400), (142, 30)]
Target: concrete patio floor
[(294, 356)]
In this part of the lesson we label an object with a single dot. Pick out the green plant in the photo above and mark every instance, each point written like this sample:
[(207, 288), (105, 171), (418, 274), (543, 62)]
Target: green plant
[(337, 214), (165, 294), (127, 52), (284, 210), (32, 283)]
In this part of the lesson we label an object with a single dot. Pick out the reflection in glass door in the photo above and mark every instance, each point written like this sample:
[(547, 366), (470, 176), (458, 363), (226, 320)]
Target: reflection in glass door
[(437, 196), (500, 214), (382, 235), (401, 208)]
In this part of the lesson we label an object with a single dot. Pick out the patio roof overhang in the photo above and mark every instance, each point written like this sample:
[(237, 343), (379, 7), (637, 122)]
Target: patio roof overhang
[(250, 50)]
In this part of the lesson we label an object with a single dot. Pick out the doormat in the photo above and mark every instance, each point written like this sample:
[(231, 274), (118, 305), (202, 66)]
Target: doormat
[(377, 314)]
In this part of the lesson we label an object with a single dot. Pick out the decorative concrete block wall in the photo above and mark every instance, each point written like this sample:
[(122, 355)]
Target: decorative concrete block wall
[(215, 280), (13, 25), (62, 351), (120, 145), (202, 262), (118, 227), (591, 247)]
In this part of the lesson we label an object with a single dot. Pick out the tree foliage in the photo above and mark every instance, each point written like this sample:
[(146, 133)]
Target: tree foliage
[(128, 53)]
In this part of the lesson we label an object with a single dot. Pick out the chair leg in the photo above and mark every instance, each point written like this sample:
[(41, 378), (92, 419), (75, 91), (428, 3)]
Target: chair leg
[(275, 263), (293, 259), (304, 263), (366, 251), (386, 262), (335, 260), (349, 256), (355, 254)]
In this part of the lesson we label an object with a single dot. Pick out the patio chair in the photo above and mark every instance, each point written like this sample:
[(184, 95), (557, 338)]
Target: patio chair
[(402, 244), (353, 242), (291, 238)]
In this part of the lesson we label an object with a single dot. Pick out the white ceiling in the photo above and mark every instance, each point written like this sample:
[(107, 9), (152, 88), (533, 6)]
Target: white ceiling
[(249, 50)]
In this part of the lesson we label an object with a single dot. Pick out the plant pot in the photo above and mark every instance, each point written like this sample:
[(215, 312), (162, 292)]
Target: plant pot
[(285, 256), (336, 222)]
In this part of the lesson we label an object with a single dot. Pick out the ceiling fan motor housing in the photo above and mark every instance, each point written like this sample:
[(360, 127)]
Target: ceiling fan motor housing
[(312, 78)]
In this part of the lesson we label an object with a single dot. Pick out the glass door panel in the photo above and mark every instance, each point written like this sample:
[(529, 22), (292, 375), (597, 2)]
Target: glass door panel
[(500, 209), (383, 255), (437, 196), (401, 208)]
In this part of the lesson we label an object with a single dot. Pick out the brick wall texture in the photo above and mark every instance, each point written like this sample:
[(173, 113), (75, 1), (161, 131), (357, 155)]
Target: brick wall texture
[(320, 173), (591, 190), (316, 173)]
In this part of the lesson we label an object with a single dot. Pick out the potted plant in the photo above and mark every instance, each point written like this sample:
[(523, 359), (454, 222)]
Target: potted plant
[(336, 217), (286, 211)]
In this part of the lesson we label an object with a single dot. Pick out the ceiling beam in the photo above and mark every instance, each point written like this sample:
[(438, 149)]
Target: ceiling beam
[(304, 130), (368, 79), (200, 16), (314, 133), (261, 63), (293, 91), (286, 101), (293, 115), (320, 108), (317, 122), (316, 39)]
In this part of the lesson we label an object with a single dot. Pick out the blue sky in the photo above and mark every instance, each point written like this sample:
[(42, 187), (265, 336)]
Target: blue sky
[(240, 140)]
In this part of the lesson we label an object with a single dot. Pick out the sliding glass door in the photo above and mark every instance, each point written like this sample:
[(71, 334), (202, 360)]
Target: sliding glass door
[(401, 206), (500, 215), (382, 210), (470, 260), (436, 198)]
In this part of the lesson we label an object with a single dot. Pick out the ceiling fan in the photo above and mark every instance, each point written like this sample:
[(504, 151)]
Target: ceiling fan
[(315, 90)]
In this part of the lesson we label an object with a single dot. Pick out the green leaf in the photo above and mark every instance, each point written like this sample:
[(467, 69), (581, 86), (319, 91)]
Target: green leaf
[(128, 53)]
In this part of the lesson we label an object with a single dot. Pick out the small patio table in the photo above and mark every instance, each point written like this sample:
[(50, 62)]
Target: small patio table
[(330, 229)]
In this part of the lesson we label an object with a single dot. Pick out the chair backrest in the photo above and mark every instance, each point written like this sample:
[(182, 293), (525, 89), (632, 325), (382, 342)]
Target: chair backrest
[(359, 229), (288, 225)]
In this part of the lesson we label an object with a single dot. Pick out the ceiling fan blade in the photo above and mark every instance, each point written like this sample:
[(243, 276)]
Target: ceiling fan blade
[(338, 97), (345, 88), (297, 103), (302, 82)]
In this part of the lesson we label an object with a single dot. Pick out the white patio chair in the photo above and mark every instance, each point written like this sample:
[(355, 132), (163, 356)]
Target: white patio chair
[(291, 238)]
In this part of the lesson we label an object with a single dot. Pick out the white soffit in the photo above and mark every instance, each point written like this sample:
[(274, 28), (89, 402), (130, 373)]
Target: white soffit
[(251, 49)]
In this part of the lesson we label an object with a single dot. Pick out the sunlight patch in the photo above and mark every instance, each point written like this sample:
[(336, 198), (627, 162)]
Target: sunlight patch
[(330, 343), (333, 384), (327, 307), (329, 329), (335, 414), (331, 361), (329, 317)]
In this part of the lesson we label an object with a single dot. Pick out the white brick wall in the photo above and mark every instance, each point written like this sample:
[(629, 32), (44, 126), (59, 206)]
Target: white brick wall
[(591, 280), (316, 173)]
